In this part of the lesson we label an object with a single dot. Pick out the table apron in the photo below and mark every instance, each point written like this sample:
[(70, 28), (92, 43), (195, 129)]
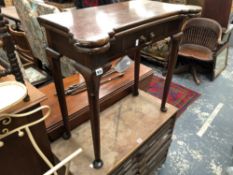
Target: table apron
[(120, 44)]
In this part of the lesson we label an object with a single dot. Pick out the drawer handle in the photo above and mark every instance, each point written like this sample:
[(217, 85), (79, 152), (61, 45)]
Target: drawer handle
[(152, 35), (142, 39)]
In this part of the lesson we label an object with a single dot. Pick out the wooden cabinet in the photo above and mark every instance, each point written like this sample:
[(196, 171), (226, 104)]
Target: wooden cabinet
[(18, 156)]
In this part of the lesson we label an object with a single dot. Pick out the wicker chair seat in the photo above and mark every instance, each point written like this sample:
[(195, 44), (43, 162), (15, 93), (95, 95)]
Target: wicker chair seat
[(197, 52)]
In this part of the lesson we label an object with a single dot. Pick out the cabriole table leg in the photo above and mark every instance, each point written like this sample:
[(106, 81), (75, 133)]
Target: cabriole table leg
[(137, 60), (175, 40), (54, 60), (93, 85)]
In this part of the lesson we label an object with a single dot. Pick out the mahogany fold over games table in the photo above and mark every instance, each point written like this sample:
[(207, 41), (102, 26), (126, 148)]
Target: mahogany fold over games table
[(93, 37)]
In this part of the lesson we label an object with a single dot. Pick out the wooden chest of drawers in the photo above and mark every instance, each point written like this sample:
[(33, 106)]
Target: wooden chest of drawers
[(151, 155), (135, 138)]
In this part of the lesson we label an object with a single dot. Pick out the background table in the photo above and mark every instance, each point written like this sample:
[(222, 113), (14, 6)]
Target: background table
[(10, 12)]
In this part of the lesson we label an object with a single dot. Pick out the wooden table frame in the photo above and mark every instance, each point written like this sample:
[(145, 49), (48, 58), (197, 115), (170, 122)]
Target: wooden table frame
[(93, 56)]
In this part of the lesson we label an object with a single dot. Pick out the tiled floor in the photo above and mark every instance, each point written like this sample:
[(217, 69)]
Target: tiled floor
[(210, 153)]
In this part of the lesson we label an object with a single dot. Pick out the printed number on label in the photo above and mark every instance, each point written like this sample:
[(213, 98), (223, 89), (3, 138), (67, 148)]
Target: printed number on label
[(99, 71)]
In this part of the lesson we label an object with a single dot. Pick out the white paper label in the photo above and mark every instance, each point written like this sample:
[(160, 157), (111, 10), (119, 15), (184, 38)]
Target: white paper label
[(99, 71), (139, 140), (137, 42)]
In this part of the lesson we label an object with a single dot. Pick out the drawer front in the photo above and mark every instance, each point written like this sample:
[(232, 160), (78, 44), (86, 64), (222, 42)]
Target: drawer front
[(152, 149), (156, 160), (127, 168), (163, 133), (151, 32)]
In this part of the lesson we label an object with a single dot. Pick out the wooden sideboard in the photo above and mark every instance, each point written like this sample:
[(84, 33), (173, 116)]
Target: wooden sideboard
[(78, 104), (18, 156)]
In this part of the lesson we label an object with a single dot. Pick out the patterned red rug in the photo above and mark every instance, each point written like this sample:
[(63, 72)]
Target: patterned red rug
[(179, 96)]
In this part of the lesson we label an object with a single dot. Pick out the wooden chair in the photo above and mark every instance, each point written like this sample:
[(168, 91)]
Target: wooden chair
[(200, 42), (216, 59), (31, 65), (218, 11), (7, 47), (28, 11), (22, 47)]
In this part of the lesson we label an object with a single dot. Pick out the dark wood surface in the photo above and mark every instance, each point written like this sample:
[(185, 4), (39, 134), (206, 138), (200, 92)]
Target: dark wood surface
[(22, 47), (17, 155), (77, 105), (95, 36), (105, 21), (11, 13), (218, 10), (61, 6)]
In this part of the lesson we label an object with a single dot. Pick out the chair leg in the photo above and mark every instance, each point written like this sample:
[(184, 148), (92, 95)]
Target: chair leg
[(182, 69), (194, 74)]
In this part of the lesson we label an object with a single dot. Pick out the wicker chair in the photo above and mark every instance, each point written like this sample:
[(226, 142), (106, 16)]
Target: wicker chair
[(22, 47), (218, 10), (199, 43)]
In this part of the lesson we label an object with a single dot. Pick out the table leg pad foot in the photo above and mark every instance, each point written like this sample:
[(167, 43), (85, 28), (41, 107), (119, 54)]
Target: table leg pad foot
[(97, 164), (163, 109), (135, 94), (66, 135)]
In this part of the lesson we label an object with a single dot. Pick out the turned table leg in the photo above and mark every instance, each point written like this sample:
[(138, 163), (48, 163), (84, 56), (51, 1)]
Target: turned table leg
[(93, 85), (54, 60), (175, 40), (137, 60)]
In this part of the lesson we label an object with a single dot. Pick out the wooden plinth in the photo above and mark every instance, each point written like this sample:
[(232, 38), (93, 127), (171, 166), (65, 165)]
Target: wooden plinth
[(135, 137), (78, 105)]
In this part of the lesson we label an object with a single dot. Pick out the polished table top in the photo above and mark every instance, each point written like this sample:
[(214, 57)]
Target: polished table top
[(10, 12), (94, 26)]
